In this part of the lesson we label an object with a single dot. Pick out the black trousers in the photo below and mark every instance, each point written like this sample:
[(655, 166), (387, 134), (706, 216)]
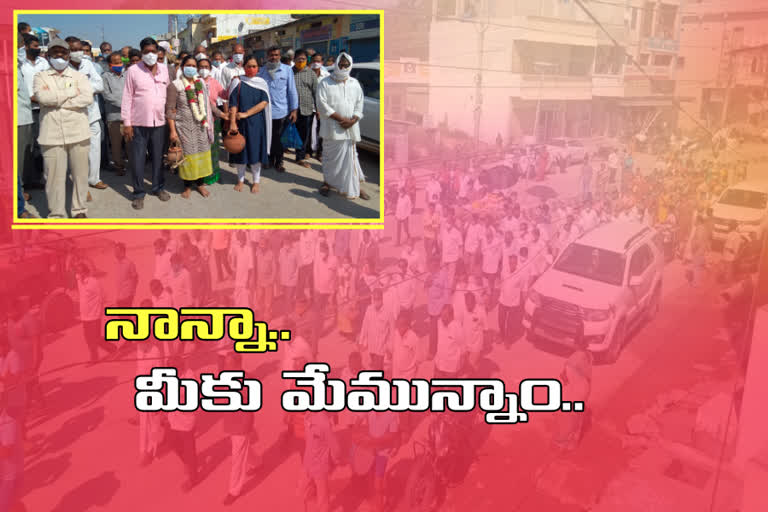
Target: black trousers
[(142, 137), (304, 126), (183, 443), (509, 323), (276, 151), (94, 337)]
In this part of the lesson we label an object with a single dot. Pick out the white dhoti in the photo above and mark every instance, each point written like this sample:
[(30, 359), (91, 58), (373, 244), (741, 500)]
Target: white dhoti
[(341, 167)]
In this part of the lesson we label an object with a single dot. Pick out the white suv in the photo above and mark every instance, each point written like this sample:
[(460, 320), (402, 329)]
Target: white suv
[(746, 203), (600, 287)]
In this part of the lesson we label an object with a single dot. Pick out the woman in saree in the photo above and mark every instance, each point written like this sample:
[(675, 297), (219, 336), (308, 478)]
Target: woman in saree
[(187, 109)]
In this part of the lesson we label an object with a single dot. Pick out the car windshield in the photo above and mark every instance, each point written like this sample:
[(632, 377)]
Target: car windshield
[(744, 198), (597, 264)]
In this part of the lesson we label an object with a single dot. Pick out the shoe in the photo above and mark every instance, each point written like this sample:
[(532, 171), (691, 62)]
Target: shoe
[(100, 185), (26, 215), (163, 195), (230, 499), (280, 168), (89, 198), (81, 216), (138, 204)]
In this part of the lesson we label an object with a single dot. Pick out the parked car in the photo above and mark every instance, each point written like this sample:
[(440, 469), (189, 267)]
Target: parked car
[(600, 288), (369, 74), (746, 203)]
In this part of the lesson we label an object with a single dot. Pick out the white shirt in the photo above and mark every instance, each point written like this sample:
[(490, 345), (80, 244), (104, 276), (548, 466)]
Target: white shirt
[(433, 191), (491, 249), (345, 98), (512, 286), (243, 259), (91, 299), (406, 290), (89, 69), (325, 274), (181, 286), (473, 327), (228, 73), (289, 265), (510, 224), (29, 70), (449, 347), (472, 240), (404, 207), (404, 352), (732, 245), (182, 421), (163, 266), (375, 330), (452, 242), (588, 220), (307, 247)]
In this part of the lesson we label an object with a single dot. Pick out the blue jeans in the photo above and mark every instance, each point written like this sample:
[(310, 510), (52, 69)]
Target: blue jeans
[(142, 136), (19, 198)]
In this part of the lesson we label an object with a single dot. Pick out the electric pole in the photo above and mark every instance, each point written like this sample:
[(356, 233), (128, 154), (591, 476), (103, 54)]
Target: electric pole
[(481, 28)]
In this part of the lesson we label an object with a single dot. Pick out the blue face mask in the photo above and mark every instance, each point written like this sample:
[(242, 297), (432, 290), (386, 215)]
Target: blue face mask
[(117, 69), (190, 71)]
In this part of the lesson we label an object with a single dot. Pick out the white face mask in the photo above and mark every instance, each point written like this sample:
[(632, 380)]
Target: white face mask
[(87, 56), (205, 72), (317, 65), (340, 74), (200, 56), (59, 64), (150, 59), (216, 63), (238, 58), (76, 57)]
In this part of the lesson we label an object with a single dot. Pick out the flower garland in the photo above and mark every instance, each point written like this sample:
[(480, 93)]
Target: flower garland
[(195, 98)]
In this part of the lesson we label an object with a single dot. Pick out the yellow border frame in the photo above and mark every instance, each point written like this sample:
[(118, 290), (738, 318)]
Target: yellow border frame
[(223, 223)]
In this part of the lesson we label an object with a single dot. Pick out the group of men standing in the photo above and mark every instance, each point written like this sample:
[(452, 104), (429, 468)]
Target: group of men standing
[(64, 97)]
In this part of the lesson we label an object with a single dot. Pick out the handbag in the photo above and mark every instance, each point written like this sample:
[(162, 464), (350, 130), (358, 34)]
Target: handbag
[(290, 137), (233, 140)]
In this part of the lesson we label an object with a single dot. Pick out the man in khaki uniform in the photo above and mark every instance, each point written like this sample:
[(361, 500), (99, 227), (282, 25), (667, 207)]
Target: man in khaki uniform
[(64, 95)]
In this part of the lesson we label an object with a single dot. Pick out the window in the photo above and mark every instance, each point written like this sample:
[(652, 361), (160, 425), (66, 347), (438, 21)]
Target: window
[(641, 260), (680, 62), (643, 59), (662, 60), (591, 263), (369, 81), (446, 8)]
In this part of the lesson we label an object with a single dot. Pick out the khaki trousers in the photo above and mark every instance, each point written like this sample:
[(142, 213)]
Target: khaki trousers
[(56, 159), (116, 140)]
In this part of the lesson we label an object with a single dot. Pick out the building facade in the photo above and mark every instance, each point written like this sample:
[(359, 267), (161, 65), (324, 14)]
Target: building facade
[(721, 65), (544, 68)]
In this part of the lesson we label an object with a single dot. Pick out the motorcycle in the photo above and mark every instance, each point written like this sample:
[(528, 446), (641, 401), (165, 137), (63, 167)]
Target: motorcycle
[(441, 461)]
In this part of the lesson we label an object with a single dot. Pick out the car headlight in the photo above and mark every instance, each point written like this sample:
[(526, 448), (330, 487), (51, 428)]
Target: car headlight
[(534, 297), (596, 315)]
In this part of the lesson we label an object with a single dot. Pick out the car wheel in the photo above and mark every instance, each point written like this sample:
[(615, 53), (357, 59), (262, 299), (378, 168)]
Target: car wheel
[(617, 343)]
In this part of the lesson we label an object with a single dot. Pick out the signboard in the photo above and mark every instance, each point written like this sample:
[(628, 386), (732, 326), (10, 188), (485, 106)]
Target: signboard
[(237, 25), (317, 34)]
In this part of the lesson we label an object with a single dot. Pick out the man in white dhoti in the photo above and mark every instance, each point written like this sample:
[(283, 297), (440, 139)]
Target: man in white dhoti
[(340, 105)]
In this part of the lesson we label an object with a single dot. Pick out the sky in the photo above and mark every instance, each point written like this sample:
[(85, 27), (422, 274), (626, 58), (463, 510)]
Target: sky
[(119, 29)]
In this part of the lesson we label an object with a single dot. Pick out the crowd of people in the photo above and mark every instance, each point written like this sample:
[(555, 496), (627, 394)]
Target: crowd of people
[(79, 116)]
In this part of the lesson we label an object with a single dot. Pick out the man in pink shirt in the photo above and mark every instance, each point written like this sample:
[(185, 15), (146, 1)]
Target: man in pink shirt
[(143, 113)]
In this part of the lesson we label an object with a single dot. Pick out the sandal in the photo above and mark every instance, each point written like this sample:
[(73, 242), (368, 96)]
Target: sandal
[(325, 190)]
